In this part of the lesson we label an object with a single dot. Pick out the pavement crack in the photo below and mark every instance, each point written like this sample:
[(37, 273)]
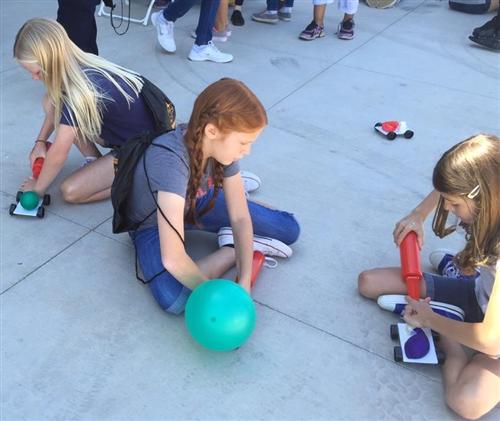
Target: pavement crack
[(46, 262), (326, 332)]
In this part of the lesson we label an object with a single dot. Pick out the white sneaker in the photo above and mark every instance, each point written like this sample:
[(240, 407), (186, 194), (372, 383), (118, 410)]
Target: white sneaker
[(436, 257), (251, 182), (267, 246), (209, 52), (164, 31)]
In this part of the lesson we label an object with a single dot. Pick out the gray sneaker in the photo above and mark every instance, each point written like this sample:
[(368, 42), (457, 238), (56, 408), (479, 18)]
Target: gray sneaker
[(285, 16), (265, 17)]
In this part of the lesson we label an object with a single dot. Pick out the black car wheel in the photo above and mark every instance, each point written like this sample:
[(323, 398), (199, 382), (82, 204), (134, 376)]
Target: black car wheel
[(408, 134), (398, 354)]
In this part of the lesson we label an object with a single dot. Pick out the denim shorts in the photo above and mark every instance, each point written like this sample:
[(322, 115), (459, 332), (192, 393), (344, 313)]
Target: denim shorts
[(457, 291), (172, 295)]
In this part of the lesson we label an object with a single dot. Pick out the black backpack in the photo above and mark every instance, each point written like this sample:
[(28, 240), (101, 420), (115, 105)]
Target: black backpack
[(133, 149)]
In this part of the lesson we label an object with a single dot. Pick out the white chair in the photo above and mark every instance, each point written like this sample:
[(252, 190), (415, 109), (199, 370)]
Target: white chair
[(144, 20)]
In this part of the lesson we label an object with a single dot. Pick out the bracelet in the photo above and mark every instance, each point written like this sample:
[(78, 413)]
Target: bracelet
[(40, 140)]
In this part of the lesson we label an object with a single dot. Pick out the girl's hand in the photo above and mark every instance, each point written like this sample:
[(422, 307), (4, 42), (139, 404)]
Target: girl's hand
[(418, 313), (38, 151), (29, 185), (412, 222)]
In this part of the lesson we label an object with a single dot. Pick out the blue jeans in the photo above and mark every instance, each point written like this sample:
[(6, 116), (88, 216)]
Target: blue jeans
[(275, 4), (208, 12), (170, 294)]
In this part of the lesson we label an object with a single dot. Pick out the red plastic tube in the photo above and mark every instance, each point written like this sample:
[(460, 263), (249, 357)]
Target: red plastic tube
[(38, 164), (257, 262), (410, 264)]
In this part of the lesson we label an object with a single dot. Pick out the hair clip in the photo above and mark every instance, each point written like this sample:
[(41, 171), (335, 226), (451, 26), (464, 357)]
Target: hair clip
[(474, 192)]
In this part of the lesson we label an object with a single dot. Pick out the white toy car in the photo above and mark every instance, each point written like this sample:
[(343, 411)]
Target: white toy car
[(391, 129)]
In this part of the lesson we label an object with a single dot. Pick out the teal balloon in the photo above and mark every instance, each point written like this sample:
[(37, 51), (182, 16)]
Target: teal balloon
[(220, 315), (29, 200)]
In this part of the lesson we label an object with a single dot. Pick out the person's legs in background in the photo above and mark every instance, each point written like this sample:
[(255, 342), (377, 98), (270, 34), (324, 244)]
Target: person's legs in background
[(220, 24), (237, 18), (316, 28), (164, 22), (346, 27), (77, 18), (203, 48), (276, 10)]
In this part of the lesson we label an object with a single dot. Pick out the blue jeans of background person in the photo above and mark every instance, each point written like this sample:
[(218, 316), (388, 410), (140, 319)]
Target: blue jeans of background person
[(275, 4), (208, 12), (170, 294)]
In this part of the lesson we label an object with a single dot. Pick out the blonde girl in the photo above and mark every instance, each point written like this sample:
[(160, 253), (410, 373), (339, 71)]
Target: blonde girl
[(192, 177), (88, 100), (467, 178)]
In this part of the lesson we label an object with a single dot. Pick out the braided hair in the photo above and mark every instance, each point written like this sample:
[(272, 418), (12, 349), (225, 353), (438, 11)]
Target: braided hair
[(229, 105)]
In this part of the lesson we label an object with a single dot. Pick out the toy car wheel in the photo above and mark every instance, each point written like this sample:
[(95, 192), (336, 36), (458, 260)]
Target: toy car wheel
[(398, 354), (378, 124), (40, 213), (391, 136), (12, 208), (408, 134), (394, 332), (18, 195), (46, 199), (441, 357)]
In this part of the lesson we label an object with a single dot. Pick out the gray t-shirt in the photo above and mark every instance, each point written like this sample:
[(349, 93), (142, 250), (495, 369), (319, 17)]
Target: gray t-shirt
[(168, 171), (484, 284)]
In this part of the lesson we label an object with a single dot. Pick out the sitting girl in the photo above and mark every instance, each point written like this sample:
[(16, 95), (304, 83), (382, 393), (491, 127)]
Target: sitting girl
[(89, 100), (191, 175), (467, 179)]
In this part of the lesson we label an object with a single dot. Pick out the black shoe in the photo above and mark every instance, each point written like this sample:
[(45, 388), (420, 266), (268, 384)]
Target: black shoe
[(489, 39), (237, 18), (491, 24)]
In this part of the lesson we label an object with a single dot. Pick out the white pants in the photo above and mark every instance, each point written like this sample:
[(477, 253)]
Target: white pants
[(345, 6)]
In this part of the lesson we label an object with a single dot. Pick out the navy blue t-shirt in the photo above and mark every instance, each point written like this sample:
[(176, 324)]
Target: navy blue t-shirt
[(120, 121)]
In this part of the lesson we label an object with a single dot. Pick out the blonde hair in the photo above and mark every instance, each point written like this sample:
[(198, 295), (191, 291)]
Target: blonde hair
[(472, 169), (63, 71)]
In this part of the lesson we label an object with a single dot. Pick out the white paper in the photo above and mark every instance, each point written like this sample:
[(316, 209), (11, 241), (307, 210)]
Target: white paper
[(21, 211), (405, 331)]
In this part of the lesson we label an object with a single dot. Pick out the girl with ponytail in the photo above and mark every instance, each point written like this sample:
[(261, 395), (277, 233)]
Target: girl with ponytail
[(89, 100), (192, 177)]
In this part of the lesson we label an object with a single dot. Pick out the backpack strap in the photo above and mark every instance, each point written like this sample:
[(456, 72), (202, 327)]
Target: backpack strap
[(147, 281)]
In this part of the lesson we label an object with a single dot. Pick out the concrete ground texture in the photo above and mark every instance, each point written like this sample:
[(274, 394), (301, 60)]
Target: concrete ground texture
[(81, 339)]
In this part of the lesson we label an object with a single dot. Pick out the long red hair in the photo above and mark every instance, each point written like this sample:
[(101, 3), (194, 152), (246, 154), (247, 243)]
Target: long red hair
[(229, 105)]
